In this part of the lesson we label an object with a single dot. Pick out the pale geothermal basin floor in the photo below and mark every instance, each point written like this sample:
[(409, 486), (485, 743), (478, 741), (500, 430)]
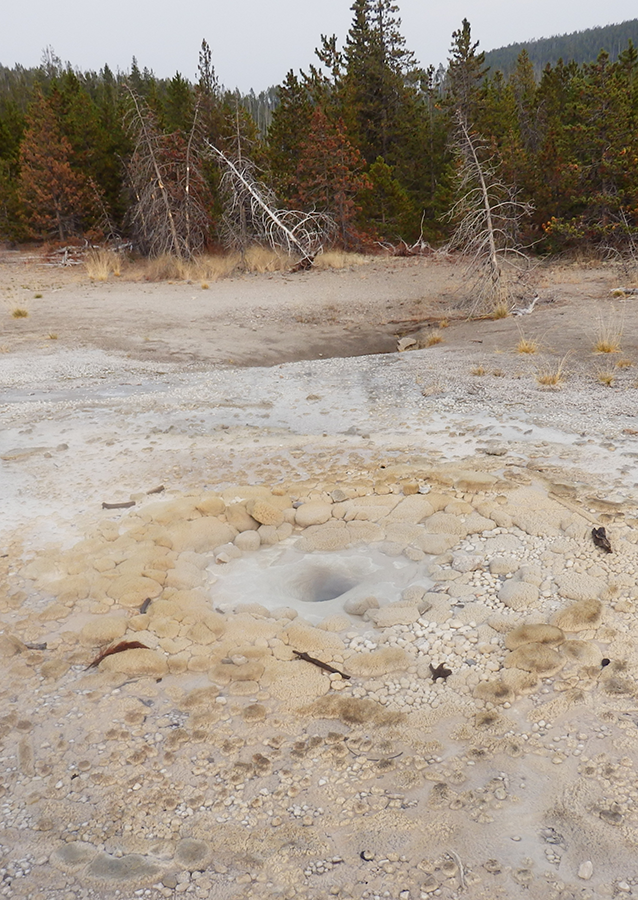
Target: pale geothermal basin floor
[(385, 515)]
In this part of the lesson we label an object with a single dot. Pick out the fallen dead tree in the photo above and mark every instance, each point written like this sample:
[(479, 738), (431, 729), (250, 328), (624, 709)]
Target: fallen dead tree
[(250, 207)]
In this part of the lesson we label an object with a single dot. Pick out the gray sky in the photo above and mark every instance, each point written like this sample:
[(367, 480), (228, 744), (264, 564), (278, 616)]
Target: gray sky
[(254, 43)]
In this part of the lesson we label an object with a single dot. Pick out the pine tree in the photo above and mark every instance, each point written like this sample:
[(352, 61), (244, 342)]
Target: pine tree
[(375, 87), (178, 105), (330, 175), (386, 208), (436, 160), (11, 133), (465, 71), (288, 130), (208, 95), (56, 198)]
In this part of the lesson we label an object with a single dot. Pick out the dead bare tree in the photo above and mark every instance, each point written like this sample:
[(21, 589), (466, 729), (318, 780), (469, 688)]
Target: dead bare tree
[(488, 217), (169, 214), (251, 209)]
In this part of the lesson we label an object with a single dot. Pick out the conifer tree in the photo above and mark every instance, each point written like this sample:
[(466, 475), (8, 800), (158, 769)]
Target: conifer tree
[(94, 147), (330, 175), (56, 198), (378, 68), (386, 208), (11, 133), (178, 105), (208, 95), (289, 128), (466, 69)]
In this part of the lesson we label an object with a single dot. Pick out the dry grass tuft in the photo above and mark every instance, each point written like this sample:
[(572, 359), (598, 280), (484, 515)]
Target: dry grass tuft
[(19, 313), (604, 345), (432, 389), (100, 263), (527, 345), (624, 363), (205, 285), (433, 338), (52, 335), (261, 259), (205, 269), (164, 268), (500, 311), (608, 335), (552, 374), (444, 323), (210, 267), (606, 376), (339, 259), (479, 370)]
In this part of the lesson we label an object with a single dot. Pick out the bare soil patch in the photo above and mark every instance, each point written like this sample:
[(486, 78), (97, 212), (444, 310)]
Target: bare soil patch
[(261, 320)]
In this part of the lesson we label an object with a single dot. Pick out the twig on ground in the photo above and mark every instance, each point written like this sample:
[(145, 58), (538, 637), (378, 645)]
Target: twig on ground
[(457, 860), (317, 662)]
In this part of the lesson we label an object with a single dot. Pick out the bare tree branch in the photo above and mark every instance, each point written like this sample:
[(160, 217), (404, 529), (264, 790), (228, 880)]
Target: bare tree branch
[(249, 203), (169, 214), (488, 216)]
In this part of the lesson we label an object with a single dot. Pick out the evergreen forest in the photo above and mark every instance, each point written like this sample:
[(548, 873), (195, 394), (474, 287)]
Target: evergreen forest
[(365, 135)]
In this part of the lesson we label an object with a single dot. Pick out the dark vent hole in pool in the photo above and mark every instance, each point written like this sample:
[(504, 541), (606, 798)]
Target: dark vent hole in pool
[(319, 584)]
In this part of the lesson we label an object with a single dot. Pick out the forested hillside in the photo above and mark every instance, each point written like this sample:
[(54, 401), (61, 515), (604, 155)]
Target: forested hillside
[(580, 46), (365, 135)]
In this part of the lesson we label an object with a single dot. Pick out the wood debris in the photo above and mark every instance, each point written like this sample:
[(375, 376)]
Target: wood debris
[(117, 648), (599, 536), (317, 662)]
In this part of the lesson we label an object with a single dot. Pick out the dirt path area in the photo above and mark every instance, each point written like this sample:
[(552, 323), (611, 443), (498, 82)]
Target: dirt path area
[(262, 320), (225, 479)]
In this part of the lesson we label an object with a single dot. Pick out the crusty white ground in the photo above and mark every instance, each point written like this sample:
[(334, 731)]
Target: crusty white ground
[(302, 785)]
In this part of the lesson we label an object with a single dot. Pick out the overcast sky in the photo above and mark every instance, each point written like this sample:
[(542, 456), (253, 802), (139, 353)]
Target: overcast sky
[(255, 42)]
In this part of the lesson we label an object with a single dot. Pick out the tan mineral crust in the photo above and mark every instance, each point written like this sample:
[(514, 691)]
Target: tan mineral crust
[(345, 664)]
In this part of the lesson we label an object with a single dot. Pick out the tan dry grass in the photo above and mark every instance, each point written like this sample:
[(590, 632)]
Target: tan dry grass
[(101, 263), (609, 333), (205, 269), (433, 338), (479, 371), (20, 313), (527, 345), (261, 259), (340, 259), (210, 267), (606, 376), (500, 311), (552, 373)]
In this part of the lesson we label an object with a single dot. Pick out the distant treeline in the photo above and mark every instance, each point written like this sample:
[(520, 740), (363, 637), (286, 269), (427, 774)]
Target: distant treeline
[(579, 46), (367, 136)]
